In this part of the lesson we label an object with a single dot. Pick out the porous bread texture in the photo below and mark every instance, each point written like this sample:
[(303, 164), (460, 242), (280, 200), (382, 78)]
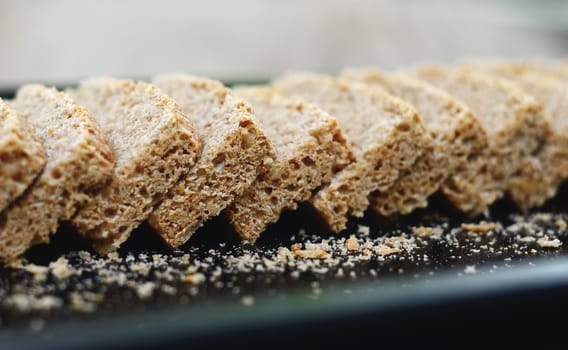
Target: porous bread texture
[(553, 93), (459, 141), (386, 134), (22, 155), (310, 147), (155, 145), (79, 163), (513, 120), (235, 150)]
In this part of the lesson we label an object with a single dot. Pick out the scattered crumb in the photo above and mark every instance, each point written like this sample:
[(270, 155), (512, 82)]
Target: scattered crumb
[(247, 300), (470, 270), (561, 224), (39, 272), (194, 278), (481, 227), (311, 251), (363, 230), (84, 302), (546, 242), (26, 303), (145, 290), (425, 231), (352, 244), (60, 268)]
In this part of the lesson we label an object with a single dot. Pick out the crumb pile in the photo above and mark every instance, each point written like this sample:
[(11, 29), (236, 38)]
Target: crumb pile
[(79, 284)]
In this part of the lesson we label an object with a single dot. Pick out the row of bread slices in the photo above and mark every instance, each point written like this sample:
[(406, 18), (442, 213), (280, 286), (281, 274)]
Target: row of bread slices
[(111, 154)]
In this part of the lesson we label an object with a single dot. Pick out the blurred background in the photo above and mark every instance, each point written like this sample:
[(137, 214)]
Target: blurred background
[(62, 41)]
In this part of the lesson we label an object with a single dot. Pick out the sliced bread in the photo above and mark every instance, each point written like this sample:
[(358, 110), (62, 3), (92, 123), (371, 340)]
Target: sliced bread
[(513, 120), (310, 148), (155, 145), (235, 149), (386, 134), (553, 93), (22, 155), (452, 166), (79, 163)]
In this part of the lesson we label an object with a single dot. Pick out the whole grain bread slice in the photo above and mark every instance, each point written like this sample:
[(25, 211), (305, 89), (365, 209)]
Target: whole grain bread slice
[(22, 155), (155, 144), (513, 120), (235, 149), (310, 148), (550, 90), (79, 163), (459, 141), (386, 134)]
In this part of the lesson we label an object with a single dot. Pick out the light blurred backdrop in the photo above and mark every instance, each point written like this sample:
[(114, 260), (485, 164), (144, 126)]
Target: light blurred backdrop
[(62, 41)]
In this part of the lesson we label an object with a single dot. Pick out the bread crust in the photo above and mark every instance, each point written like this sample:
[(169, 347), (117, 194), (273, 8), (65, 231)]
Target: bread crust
[(155, 145), (458, 138), (513, 120), (386, 134), (235, 150), (22, 155), (544, 172), (79, 163), (310, 148)]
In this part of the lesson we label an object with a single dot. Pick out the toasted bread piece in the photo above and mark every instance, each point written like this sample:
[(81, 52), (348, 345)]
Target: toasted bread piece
[(553, 93), (155, 145), (459, 142), (310, 148), (79, 163), (235, 149), (513, 120), (386, 134), (22, 155)]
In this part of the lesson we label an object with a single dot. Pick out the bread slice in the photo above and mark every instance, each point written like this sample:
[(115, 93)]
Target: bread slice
[(553, 93), (310, 147), (155, 145), (22, 155), (514, 122), (235, 148), (452, 165), (79, 163), (385, 133)]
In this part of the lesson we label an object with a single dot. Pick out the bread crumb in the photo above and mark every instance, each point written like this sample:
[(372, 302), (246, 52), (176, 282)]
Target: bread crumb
[(247, 300), (60, 268), (561, 224), (194, 278), (39, 272), (311, 254), (145, 290), (363, 230), (79, 303), (311, 251), (546, 242), (481, 227), (284, 254), (113, 256), (26, 303), (352, 244), (470, 270), (140, 267), (384, 250), (425, 231), (296, 246)]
